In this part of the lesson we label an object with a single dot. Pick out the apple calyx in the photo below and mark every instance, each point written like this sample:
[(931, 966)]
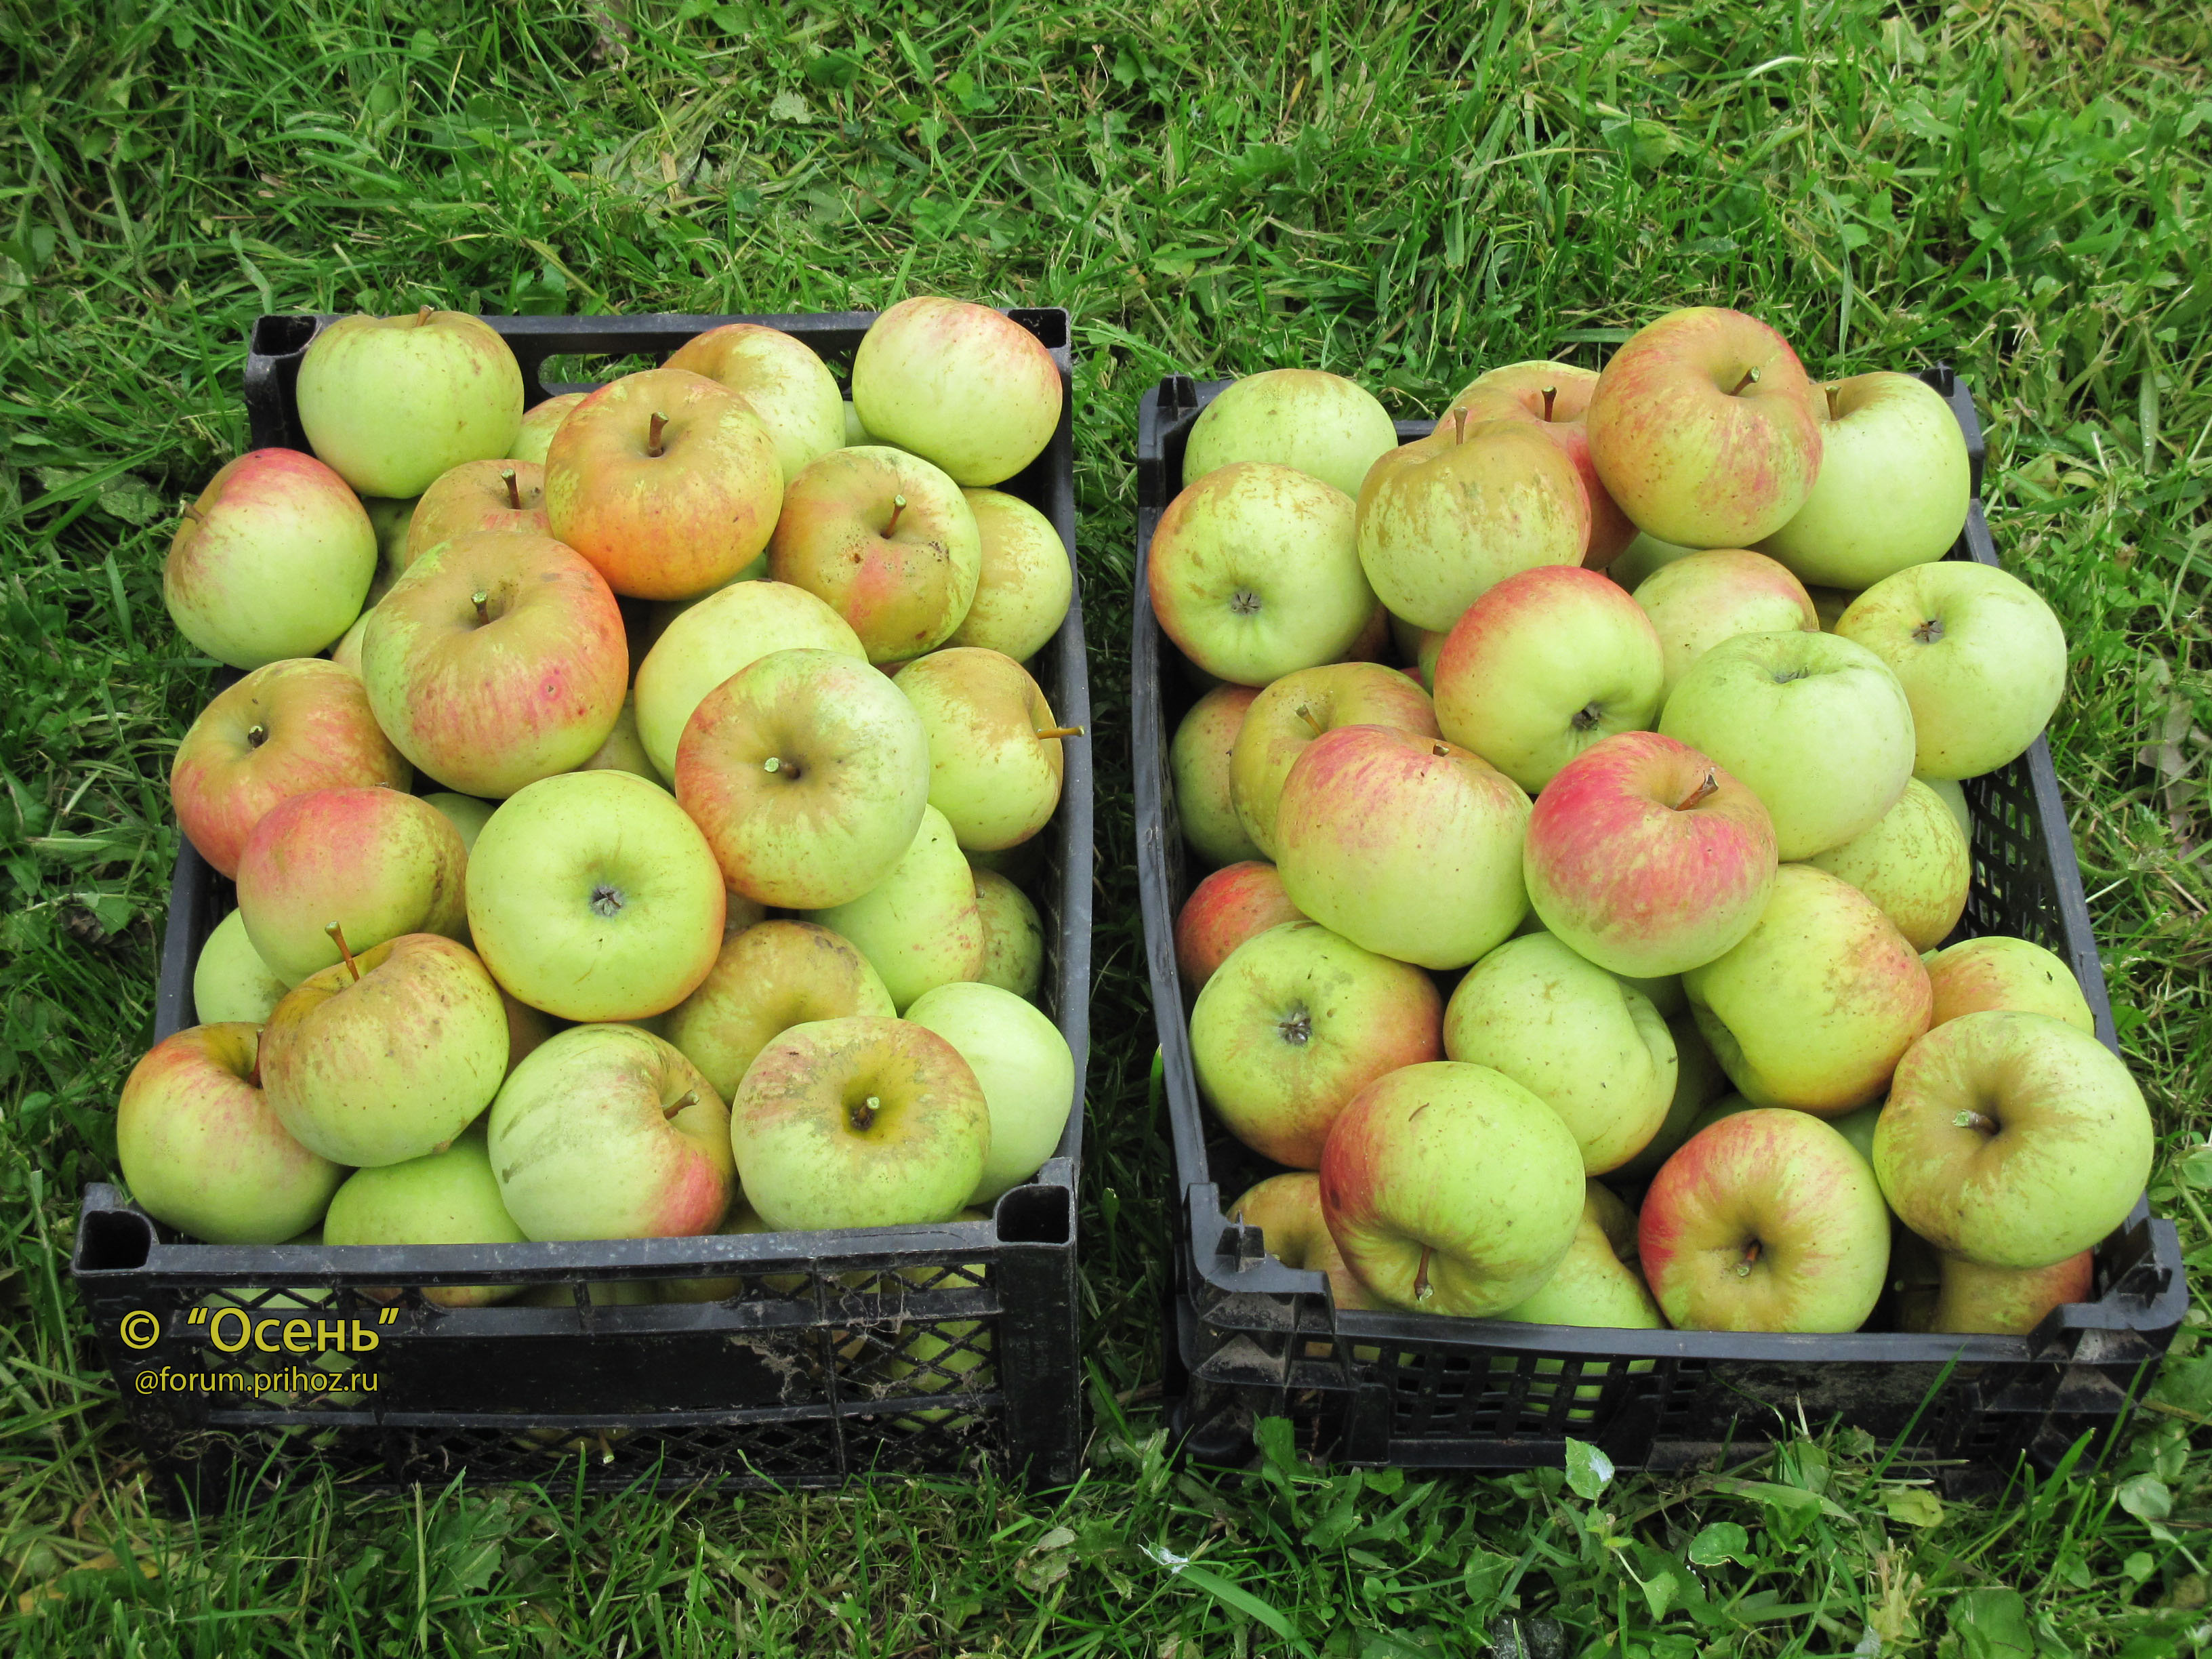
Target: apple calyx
[(1586, 718), (654, 429), (1244, 602), (1930, 632), (514, 490), (337, 936), (256, 735), (898, 506), (1551, 392), (1062, 732), (689, 1098), (862, 1117), (1750, 379), (607, 900), (1710, 787), (1296, 1028)]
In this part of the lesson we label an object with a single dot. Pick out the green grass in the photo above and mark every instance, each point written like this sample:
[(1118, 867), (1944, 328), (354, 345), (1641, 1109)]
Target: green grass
[(1401, 193)]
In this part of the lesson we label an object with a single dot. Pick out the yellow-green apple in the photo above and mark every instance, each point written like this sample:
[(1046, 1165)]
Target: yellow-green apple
[(809, 775), (705, 643), (449, 1197), (1914, 863), (1295, 1022), (1977, 975), (1665, 990), (947, 1356), (1406, 845), (1699, 1081), (1321, 424), (606, 1132), (1814, 1006), (1443, 520), (769, 978), (1589, 1047), (1597, 1282), (1981, 658), (1230, 592), (374, 861), (1954, 795), (860, 1122), (388, 1055), (1696, 602), (784, 383), (230, 982), (539, 422), (594, 896), (1286, 1209), (1543, 666), (665, 481), (2013, 1139), (1451, 1189), (1557, 396), (346, 654), (1013, 935), (888, 542), (1198, 767), (919, 926), (1025, 582), (390, 520), (1229, 907), (1646, 858), (392, 402), (1970, 1298), (1644, 555), (624, 749), (1702, 428), (465, 812), (203, 1151), (496, 660), (1766, 1221), (961, 385), (994, 758), (1022, 1065), (287, 728), (477, 496), (1289, 715), (1817, 726), (1893, 487), (1858, 1128), (274, 560)]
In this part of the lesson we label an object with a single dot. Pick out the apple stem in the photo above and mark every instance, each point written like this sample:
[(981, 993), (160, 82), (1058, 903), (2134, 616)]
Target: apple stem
[(689, 1098), (1750, 1256), (337, 933), (1973, 1120), (1750, 377), (1062, 731), (481, 599), (863, 1116), (898, 506), (514, 491), (1831, 401), (192, 510), (1307, 715), (424, 315), (773, 764), (1422, 1289), (1458, 424), (655, 428), (1711, 786), (1550, 392)]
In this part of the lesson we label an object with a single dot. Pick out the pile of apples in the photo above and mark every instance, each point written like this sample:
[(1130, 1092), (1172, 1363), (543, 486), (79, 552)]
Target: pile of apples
[(1634, 881), (717, 682)]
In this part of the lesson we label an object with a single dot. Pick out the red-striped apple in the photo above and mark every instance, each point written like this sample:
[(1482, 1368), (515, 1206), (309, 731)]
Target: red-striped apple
[(1977, 975), (1298, 709), (964, 387), (477, 496), (1229, 907), (1696, 603), (1914, 863), (1557, 396)]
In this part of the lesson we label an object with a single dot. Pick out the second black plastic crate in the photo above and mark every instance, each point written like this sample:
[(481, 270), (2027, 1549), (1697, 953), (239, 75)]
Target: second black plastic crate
[(889, 1351), (1252, 1338)]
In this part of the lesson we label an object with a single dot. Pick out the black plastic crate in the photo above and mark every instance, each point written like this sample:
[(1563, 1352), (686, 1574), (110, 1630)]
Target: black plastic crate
[(1253, 1337), (800, 1378)]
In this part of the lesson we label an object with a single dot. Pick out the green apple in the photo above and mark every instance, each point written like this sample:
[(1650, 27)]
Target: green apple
[(1199, 758), (1954, 795), (860, 1122), (1586, 1045), (1027, 581), (593, 896), (230, 982), (920, 926), (1451, 1189), (1544, 666), (961, 385), (1765, 1221), (539, 422), (1644, 555), (203, 1151), (1286, 1209), (390, 520), (1325, 426), (1696, 602), (1294, 1024), (1227, 594), (784, 383), (2007, 1301), (1699, 1081), (387, 1056), (706, 642), (474, 497), (1914, 863), (606, 1132), (1814, 725), (769, 978), (346, 654), (1981, 658), (1858, 1127), (1013, 935), (625, 749), (1893, 487), (1596, 1282), (1815, 1006), (1024, 1067), (273, 561), (465, 813), (392, 402), (995, 748), (1977, 975), (2013, 1139), (449, 1197), (1298, 709)]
